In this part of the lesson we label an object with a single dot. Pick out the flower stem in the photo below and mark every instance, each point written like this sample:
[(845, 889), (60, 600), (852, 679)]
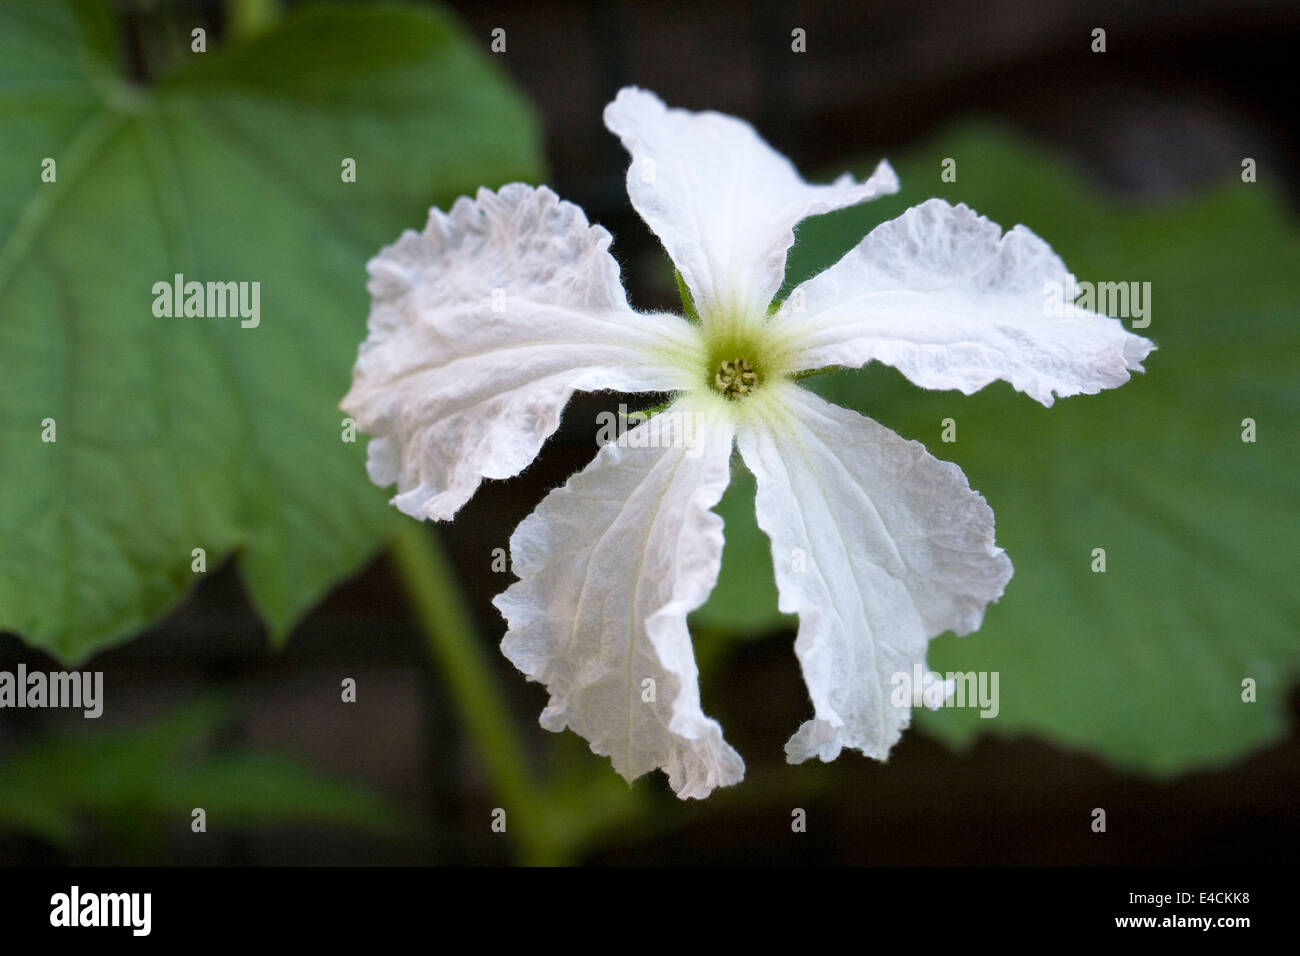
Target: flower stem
[(456, 649)]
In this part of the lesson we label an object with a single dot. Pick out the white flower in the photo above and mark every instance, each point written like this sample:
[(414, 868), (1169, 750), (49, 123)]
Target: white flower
[(485, 323)]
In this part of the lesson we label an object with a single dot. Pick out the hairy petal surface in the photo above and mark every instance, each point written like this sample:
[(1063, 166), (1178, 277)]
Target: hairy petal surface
[(609, 567), (952, 303), (722, 201), (480, 329), (878, 547)]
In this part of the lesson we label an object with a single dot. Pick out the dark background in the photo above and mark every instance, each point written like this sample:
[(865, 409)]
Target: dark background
[(1182, 93)]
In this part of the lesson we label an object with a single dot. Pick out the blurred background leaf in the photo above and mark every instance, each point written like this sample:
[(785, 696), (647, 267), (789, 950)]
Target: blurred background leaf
[(183, 433), (1142, 664), (134, 785)]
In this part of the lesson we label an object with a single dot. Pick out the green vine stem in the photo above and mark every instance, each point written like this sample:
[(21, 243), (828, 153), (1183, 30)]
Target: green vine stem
[(453, 643)]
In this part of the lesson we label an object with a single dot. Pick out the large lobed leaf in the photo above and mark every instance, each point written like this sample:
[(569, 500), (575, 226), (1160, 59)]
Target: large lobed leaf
[(1144, 663), (183, 433), (131, 780)]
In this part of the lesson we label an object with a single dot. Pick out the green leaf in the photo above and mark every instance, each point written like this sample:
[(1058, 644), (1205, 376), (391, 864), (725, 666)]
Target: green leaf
[(131, 781), (1142, 664), (743, 604), (180, 433)]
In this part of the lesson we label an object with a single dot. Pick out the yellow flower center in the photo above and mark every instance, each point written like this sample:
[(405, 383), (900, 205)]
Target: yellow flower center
[(735, 377)]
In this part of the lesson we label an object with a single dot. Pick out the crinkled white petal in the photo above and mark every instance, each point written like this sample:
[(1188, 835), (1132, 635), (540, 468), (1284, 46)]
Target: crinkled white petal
[(878, 547), (722, 201), (609, 567), (947, 299), (480, 329)]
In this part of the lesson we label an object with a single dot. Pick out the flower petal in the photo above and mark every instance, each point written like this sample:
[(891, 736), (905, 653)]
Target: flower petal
[(481, 327), (722, 201), (878, 547), (944, 297), (609, 567)]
